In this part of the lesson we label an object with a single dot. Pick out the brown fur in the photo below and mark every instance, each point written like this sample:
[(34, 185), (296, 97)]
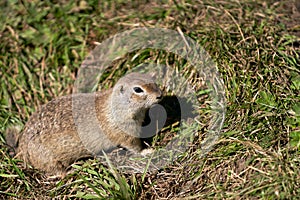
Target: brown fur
[(50, 140)]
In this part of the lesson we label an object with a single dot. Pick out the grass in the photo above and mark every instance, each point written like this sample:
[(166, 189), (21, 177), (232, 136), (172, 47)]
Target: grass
[(256, 47)]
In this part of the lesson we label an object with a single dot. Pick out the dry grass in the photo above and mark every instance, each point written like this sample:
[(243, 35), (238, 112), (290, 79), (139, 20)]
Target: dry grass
[(256, 46)]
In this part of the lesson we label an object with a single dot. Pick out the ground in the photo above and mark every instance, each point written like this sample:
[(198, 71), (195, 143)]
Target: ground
[(256, 47)]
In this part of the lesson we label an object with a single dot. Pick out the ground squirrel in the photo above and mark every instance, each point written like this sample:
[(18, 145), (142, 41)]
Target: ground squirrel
[(51, 141)]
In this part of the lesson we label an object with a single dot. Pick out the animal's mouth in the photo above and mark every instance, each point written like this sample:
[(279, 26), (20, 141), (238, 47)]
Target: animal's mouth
[(159, 97)]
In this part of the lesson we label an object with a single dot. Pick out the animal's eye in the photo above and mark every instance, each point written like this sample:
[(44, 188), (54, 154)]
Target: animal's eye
[(138, 90)]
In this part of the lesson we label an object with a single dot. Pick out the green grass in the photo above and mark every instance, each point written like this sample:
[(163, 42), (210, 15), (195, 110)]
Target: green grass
[(256, 47)]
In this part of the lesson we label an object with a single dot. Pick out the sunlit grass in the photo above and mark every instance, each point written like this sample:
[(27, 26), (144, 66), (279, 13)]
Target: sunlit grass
[(42, 45)]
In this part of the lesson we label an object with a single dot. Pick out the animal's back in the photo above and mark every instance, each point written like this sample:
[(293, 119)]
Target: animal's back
[(49, 139)]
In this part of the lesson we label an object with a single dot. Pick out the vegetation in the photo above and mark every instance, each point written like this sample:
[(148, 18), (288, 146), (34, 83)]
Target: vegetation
[(256, 47)]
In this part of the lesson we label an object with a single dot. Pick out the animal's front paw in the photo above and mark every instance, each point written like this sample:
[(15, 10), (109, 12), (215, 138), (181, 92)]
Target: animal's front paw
[(147, 151)]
